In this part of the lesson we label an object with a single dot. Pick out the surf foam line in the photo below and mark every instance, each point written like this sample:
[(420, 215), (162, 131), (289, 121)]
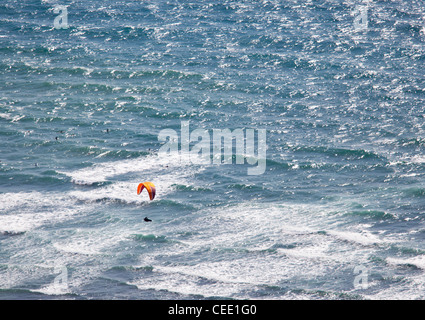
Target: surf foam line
[(25, 211), (143, 167), (163, 173)]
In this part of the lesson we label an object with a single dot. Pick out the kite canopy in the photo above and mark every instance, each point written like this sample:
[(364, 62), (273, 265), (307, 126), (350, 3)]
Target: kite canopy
[(150, 187)]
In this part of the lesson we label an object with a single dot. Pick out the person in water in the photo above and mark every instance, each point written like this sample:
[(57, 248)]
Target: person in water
[(147, 219)]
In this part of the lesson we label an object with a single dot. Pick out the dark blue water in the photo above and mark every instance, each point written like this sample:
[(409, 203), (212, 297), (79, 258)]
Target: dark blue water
[(338, 212)]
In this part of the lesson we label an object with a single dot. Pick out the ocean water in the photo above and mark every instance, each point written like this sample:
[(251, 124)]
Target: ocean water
[(338, 212)]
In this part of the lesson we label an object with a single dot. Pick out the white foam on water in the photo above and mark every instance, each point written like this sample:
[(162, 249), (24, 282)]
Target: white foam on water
[(53, 289), (145, 167), (253, 244), (91, 242), (5, 116), (418, 261), (83, 247), (187, 284), (364, 237), (120, 191), (66, 280), (20, 223), (126, 191), (25, 211), (410, 288)]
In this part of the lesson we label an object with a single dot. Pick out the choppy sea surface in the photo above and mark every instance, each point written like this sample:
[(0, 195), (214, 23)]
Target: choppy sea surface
[(338, 212)]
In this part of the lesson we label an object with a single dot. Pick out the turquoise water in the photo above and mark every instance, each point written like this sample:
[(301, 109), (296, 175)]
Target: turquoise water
[(340, 202)]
